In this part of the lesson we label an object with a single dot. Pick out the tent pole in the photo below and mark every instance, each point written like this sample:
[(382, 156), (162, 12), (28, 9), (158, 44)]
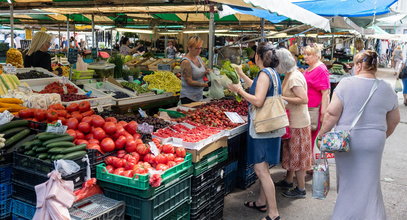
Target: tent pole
[(12, 25), (211, 35), (59, 37), (165, 44), (93, 31), (333, 47), (67, 36), (111, 41), (262, 22)]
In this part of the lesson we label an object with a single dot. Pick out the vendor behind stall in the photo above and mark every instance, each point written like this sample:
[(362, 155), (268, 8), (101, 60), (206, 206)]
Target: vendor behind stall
[(170, 51), (37, 55), (124, 47), (193, 72)]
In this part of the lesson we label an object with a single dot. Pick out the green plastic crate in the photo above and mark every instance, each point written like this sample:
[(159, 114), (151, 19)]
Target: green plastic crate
[(140, 181), (174, 178), (210, 161), (83, 74), (181, 213), (157, 207)]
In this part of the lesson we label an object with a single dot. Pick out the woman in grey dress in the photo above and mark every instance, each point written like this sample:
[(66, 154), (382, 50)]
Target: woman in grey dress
[(358, 171)]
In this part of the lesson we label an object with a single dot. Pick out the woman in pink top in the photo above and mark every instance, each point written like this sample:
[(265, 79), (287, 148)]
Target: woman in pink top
[(317, 77)]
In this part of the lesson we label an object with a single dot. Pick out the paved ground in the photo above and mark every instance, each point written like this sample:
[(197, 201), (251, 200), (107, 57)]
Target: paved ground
[(393, 180)]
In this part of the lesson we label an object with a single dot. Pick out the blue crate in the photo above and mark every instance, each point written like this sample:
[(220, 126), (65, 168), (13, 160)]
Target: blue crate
[(23, 209), (246, 182), (5, 208), (5, 173), (16, 217), (231, 167), (5, 191), (230, 181)]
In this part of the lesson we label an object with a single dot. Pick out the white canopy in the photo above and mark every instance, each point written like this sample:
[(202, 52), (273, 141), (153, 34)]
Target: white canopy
[(286, 9)]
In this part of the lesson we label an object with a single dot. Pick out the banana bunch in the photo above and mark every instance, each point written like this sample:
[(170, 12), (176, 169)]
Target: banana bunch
[(14, 57), (2, 141), (163, 80)]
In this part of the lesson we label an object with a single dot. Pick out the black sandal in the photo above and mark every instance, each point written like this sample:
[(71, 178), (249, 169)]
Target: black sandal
[(269, 218), (254, 206)]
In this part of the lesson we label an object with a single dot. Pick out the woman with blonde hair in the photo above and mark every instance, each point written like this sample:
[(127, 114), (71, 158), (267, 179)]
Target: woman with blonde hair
[(37, 55), (193, 72)]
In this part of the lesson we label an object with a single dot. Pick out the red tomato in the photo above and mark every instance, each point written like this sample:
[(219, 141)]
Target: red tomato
[(128, 173), (84, 106), (118, 162), (56, 107), (26, 113), (107, 145), (168, 149), (180, 152), (99, 133), (52, 115), (79, 135), (127, 135), (121, 153), (81, 141), (136, 136), (140, 170), (120, 142), (72, 107), (131, 127), (109, 160), (131, 145), (161, 167), (109, 127), (72, 123), (63, 120), (149, 158), (129, 165), (170, 157), (62, 113), (89, 136), (161, 158), (111, 119), (88, 113), (87, 119), (40, 114), (93, 141), (135, 155), (97, 121), (143, 149), (77, 116), (84, 127), (118, 171), (72, 133), (122, 123), (95, 147), (171, 163), (179, 160), (138, 141), (109, 168)]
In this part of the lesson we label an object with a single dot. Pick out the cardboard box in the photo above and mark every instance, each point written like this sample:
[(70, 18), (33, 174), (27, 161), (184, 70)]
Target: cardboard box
[(197, 155)]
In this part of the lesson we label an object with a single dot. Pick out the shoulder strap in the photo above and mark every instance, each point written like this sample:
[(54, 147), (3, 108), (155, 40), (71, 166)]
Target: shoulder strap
[(374, 88), (273, 80)]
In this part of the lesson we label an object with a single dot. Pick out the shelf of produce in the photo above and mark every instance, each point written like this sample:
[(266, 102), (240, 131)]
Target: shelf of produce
[(36, 69), (107, 86), (100, 99)]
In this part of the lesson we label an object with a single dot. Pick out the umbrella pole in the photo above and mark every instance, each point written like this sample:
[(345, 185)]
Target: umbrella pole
[(262, 23), (211, 35), (12, 25)]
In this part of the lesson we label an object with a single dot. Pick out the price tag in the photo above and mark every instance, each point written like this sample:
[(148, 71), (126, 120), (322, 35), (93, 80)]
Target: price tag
[(177, 141), (6, 117), (142, 113), (153, 148), (234, 117), (57, 128)]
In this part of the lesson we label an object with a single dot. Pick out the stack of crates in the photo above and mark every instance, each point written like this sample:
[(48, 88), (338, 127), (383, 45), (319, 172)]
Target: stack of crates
[(170, 201), (208, 188), (98, 207), (5, 191), (230, 176)]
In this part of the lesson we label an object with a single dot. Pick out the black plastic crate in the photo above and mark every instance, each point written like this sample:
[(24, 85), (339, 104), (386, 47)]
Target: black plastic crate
[(244, 170), (217, 214), (199, 182), (235, 147), (25, 193), (218, 188), (201, 197), (5, 173), (32, 178), (5, 158), (201, 213), (230, 181), (246, 182)]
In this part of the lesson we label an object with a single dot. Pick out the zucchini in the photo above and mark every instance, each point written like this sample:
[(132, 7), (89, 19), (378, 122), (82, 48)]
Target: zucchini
[(17, 137), (61, 144), (13, 124), (65, 138), (56, 150), (41, 149), (10, 132), (74, 155), (22, 143), (59, 156), (48, 136), (53, 157), (48, 161), (30, 153), (68, 150), (43, 156)]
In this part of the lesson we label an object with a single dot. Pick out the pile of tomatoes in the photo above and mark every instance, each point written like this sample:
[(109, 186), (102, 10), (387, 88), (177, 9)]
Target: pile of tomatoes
[(57, 87), (142, 160)]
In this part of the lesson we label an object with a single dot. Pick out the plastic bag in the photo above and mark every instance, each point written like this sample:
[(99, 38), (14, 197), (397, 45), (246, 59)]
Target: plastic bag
[(89, 188), (80, 65), (398, 86), (66, 167), (320, 178)]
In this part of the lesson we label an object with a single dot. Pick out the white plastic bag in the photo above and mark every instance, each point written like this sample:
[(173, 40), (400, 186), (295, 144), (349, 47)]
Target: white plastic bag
[(398, 86), (80, 65), (66, 167), (320, 178)]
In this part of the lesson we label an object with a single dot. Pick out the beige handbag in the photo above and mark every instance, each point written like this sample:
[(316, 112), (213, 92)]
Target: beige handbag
[(272, 115), (314, 115)]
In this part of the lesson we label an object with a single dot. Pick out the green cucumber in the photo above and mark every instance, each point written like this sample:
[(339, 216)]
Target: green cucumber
[(13, 124), (10, 132), (41, 149), (48, 136), (59, 156), (21, 144), (43, 156), (68, 150), (30, 153), (17, 137), (65, 138), (48, 161), (61, 144), (74, 155), (56, 150)]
